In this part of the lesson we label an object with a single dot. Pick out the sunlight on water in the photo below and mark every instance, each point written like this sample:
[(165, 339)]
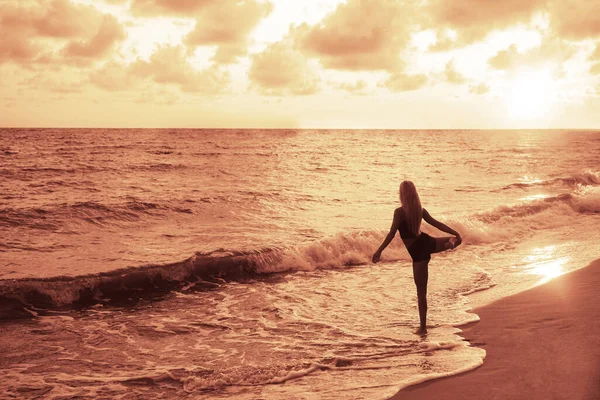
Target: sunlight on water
[(542, 261), (530, 180), (533, 197), (550, 269)]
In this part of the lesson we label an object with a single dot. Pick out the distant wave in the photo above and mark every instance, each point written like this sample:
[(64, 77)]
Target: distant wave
[(129, 209), (507, 221), (587, 178), (51, 218), (580, 203), (35, 172), (32, 173), (339, 251)]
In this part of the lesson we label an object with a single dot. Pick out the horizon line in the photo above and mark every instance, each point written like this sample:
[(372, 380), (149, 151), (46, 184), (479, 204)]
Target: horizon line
[(307, 129)]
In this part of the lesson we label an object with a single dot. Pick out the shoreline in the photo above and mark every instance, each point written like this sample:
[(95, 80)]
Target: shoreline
[(541, 344)]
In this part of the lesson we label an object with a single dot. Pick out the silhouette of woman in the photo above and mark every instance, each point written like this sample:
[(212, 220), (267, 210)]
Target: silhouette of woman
[(420, 246)]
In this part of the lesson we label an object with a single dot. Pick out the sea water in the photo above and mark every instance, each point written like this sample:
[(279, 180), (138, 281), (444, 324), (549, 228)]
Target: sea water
[(236, 263)]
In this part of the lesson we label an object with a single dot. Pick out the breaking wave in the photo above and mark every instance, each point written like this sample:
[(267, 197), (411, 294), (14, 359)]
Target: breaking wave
[(222, 265)]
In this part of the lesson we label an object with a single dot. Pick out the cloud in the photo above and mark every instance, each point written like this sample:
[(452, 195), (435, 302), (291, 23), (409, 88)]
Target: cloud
[(32, 29), (596, 53), (551, 50), (575, 20), (168, 65), (59, 18), (227, 24), (402, 82), (478, 13), (472, 20), (16, 48), (480, 88), (113, 76), (281, 68), (158, 96), (179, 8), (443, 43), (224, 23), (505, 59), (361, 35), (101, 44), (452, 75), (358, 87), (595, 58), (55, 83)]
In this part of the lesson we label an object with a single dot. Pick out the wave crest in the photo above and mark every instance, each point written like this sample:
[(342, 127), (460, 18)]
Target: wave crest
[(587, 178), (218, 266), (96, 213), (507, 221), (339, 251)]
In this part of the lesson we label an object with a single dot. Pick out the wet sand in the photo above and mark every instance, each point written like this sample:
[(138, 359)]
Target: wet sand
[(543, 343)]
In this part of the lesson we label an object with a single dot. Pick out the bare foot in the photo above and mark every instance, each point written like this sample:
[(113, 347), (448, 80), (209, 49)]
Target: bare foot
[(454, 242), (421, 331)]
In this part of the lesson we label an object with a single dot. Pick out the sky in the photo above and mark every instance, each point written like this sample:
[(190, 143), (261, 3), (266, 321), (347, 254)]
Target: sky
[(419, 64)]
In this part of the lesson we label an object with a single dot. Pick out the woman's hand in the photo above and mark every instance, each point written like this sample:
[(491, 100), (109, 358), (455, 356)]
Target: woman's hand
[(458, 241), (376, 256)]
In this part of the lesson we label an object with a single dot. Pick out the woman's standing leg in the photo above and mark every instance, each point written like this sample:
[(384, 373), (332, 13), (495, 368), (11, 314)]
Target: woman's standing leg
[(421, 276)]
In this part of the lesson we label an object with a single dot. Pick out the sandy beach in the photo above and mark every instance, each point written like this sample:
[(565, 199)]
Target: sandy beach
[(541, 344)]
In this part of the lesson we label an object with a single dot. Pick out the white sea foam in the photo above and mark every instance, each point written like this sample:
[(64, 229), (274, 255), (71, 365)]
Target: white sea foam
[(343, 250)]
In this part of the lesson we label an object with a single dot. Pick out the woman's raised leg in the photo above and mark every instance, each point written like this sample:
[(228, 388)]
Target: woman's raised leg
[(443, 244)]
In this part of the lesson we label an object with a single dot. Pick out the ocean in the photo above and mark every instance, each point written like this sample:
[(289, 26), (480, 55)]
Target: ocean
[(213, 264)]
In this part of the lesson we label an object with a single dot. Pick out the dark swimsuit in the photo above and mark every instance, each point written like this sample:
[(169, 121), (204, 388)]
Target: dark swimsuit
[(421, 248)]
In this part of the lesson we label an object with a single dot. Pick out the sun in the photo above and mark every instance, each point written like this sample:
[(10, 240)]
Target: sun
[(530, 95)]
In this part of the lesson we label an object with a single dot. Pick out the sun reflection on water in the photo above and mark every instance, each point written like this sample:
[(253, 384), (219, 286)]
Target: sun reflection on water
[(530, 180), (543, 262), (533, 197)]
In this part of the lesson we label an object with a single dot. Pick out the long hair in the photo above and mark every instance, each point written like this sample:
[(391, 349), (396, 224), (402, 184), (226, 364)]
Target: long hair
[(411, 204)]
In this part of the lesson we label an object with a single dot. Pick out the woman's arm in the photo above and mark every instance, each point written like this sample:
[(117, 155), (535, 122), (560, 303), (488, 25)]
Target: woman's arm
[(442, 227), (389, 237)]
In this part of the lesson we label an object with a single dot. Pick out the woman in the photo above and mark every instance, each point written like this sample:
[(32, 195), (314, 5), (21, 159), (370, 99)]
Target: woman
[(420, 246)]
